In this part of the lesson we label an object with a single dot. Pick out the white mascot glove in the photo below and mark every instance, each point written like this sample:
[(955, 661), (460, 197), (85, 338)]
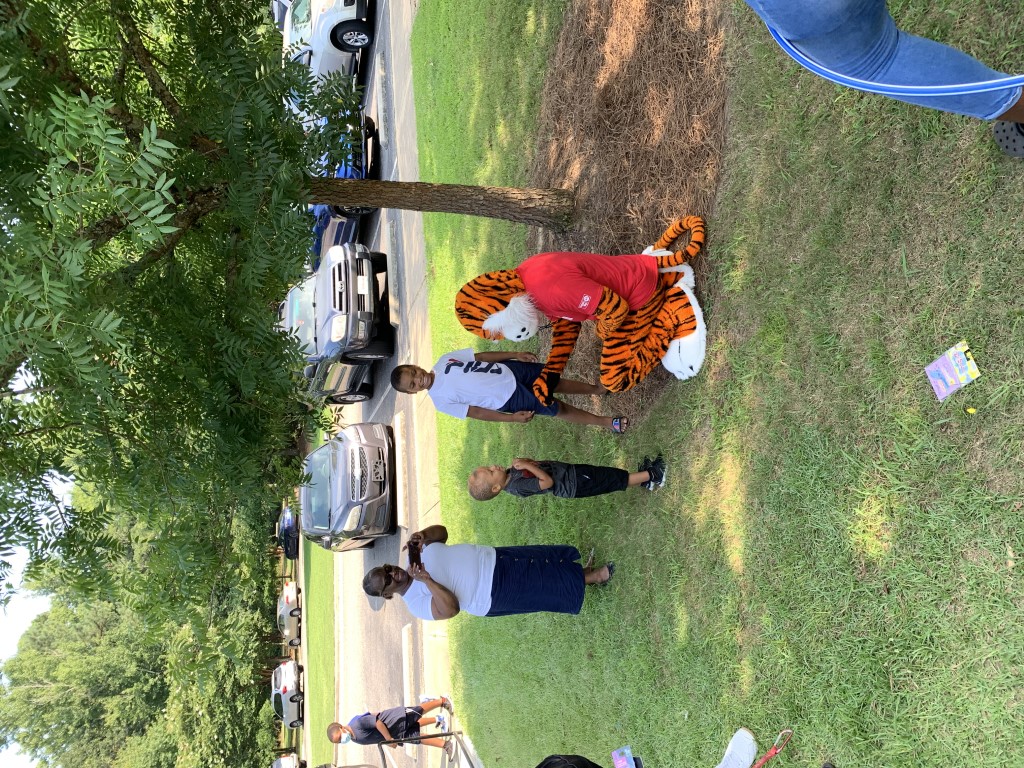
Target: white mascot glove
[(650, 250)]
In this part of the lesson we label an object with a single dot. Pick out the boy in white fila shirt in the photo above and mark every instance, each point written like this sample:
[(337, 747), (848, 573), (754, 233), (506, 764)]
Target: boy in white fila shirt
[(497, 386)]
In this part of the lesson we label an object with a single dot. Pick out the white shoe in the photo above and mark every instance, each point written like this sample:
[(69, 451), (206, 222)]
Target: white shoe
[(741, 752)]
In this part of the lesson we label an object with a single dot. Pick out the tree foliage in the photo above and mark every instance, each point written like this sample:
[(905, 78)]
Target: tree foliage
[(93, 685), (152, 216), (84, 681)]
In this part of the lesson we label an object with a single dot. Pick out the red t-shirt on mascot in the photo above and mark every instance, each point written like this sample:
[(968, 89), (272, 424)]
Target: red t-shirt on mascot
[(569, 285)]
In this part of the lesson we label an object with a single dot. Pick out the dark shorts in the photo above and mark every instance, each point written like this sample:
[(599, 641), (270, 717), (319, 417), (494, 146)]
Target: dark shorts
[(523, 398), (595, 481), (536, 578)]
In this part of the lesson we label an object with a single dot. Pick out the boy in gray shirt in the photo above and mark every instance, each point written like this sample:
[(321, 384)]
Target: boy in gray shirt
[(527, 477)]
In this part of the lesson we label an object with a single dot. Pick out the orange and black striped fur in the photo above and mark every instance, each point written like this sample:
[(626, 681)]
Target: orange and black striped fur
[(634, 342), (639, 341)]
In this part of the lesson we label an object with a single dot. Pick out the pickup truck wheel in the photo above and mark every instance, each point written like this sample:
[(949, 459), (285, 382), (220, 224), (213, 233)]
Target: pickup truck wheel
[(379, 261), (352, 211), (350, 36), (375, 350), (359, 396)]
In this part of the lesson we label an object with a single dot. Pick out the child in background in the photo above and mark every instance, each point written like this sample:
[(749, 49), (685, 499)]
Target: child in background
[(527, 477)]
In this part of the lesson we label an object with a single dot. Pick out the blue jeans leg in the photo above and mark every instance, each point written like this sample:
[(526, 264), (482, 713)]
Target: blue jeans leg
[(860, 39)]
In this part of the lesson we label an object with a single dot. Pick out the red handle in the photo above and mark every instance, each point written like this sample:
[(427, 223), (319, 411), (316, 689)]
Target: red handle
[(780, 742)]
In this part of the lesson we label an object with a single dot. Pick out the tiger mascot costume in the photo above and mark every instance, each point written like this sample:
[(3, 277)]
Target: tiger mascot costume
[(643, 307)]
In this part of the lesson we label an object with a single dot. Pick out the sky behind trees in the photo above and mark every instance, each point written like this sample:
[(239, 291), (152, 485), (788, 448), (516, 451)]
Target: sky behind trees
[(20, 612)]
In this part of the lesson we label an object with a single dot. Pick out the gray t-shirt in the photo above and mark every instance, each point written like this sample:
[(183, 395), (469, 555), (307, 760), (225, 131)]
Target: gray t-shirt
[(524, 483)]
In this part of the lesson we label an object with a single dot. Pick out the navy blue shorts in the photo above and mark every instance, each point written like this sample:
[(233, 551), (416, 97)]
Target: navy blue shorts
[(523, 398), (536, 578)]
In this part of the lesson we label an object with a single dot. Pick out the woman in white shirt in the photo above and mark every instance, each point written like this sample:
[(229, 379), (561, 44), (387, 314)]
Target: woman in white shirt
[(485, 581)]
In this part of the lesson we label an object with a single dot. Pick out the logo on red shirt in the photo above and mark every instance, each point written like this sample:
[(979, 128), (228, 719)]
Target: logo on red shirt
[(585, 301)]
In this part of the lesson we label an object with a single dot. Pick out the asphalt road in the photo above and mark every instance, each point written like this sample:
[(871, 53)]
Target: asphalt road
[(380, 647)]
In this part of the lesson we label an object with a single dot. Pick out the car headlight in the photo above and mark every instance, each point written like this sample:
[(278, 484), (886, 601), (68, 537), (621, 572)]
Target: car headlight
[(325, 542), (339, 327), (352, 523)]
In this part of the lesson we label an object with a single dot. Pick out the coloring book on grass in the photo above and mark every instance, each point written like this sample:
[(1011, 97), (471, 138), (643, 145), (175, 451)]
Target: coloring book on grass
[(954, 370), (623, 758)]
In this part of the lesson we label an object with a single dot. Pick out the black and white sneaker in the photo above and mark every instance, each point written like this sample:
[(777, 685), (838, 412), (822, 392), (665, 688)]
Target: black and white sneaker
[(657, 470)]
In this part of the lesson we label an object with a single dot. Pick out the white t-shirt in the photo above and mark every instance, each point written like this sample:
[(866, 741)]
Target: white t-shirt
[(460, 380), (465, 569)]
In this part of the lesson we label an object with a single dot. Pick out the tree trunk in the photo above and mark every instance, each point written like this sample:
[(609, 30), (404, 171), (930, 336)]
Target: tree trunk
[(551, 208)]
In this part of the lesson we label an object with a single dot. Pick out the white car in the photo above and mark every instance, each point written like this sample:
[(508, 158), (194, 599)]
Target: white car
[(291, 760), (288, 612), (285, 696), (325, 35)]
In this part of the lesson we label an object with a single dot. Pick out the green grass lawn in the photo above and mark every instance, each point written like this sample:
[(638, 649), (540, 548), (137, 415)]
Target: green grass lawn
[(835, 551), (318, 637)]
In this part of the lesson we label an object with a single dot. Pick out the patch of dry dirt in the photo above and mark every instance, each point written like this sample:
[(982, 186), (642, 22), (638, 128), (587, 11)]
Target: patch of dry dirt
[(632, 119)]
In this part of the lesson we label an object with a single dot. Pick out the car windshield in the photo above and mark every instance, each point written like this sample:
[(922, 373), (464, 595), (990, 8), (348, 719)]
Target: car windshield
[(318, 494), (282, 621), (300, 314), (279, 705), (301, 28)]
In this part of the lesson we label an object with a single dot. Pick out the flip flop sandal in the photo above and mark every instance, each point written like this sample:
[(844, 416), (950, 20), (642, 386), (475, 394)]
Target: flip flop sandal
[(620, 424), (611, 572), (590, 558)]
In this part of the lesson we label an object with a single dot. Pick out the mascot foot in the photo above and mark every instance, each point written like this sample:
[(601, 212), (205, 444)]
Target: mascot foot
[(685, 356)]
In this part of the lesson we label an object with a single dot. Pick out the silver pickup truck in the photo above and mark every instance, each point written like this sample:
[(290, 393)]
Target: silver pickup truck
[(341, 316)]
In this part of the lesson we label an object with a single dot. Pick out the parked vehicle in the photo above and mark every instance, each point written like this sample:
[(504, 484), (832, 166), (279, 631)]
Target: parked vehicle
[(291, 760), (347, 503), (288, 533), (326, 33), (341, 316), (278, 11), (329, 230), (361, 163), (289, 613), (343, 382), (286, 695)]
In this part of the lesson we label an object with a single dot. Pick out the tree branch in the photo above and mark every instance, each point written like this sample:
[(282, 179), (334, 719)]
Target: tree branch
[(139, 52), (55, 62), (200, 203), (103, 231), (39, 430), (9, 368), (26, 391)]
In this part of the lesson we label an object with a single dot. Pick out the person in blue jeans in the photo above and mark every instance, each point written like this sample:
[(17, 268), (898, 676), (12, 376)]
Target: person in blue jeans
[(859, 38)]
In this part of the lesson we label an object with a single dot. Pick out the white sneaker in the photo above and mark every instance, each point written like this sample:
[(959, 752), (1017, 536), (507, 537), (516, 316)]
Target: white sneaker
[(741, 752), (441, 723)]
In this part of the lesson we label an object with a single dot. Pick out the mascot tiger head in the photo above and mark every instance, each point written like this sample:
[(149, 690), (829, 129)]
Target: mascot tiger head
[(495, 306)]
